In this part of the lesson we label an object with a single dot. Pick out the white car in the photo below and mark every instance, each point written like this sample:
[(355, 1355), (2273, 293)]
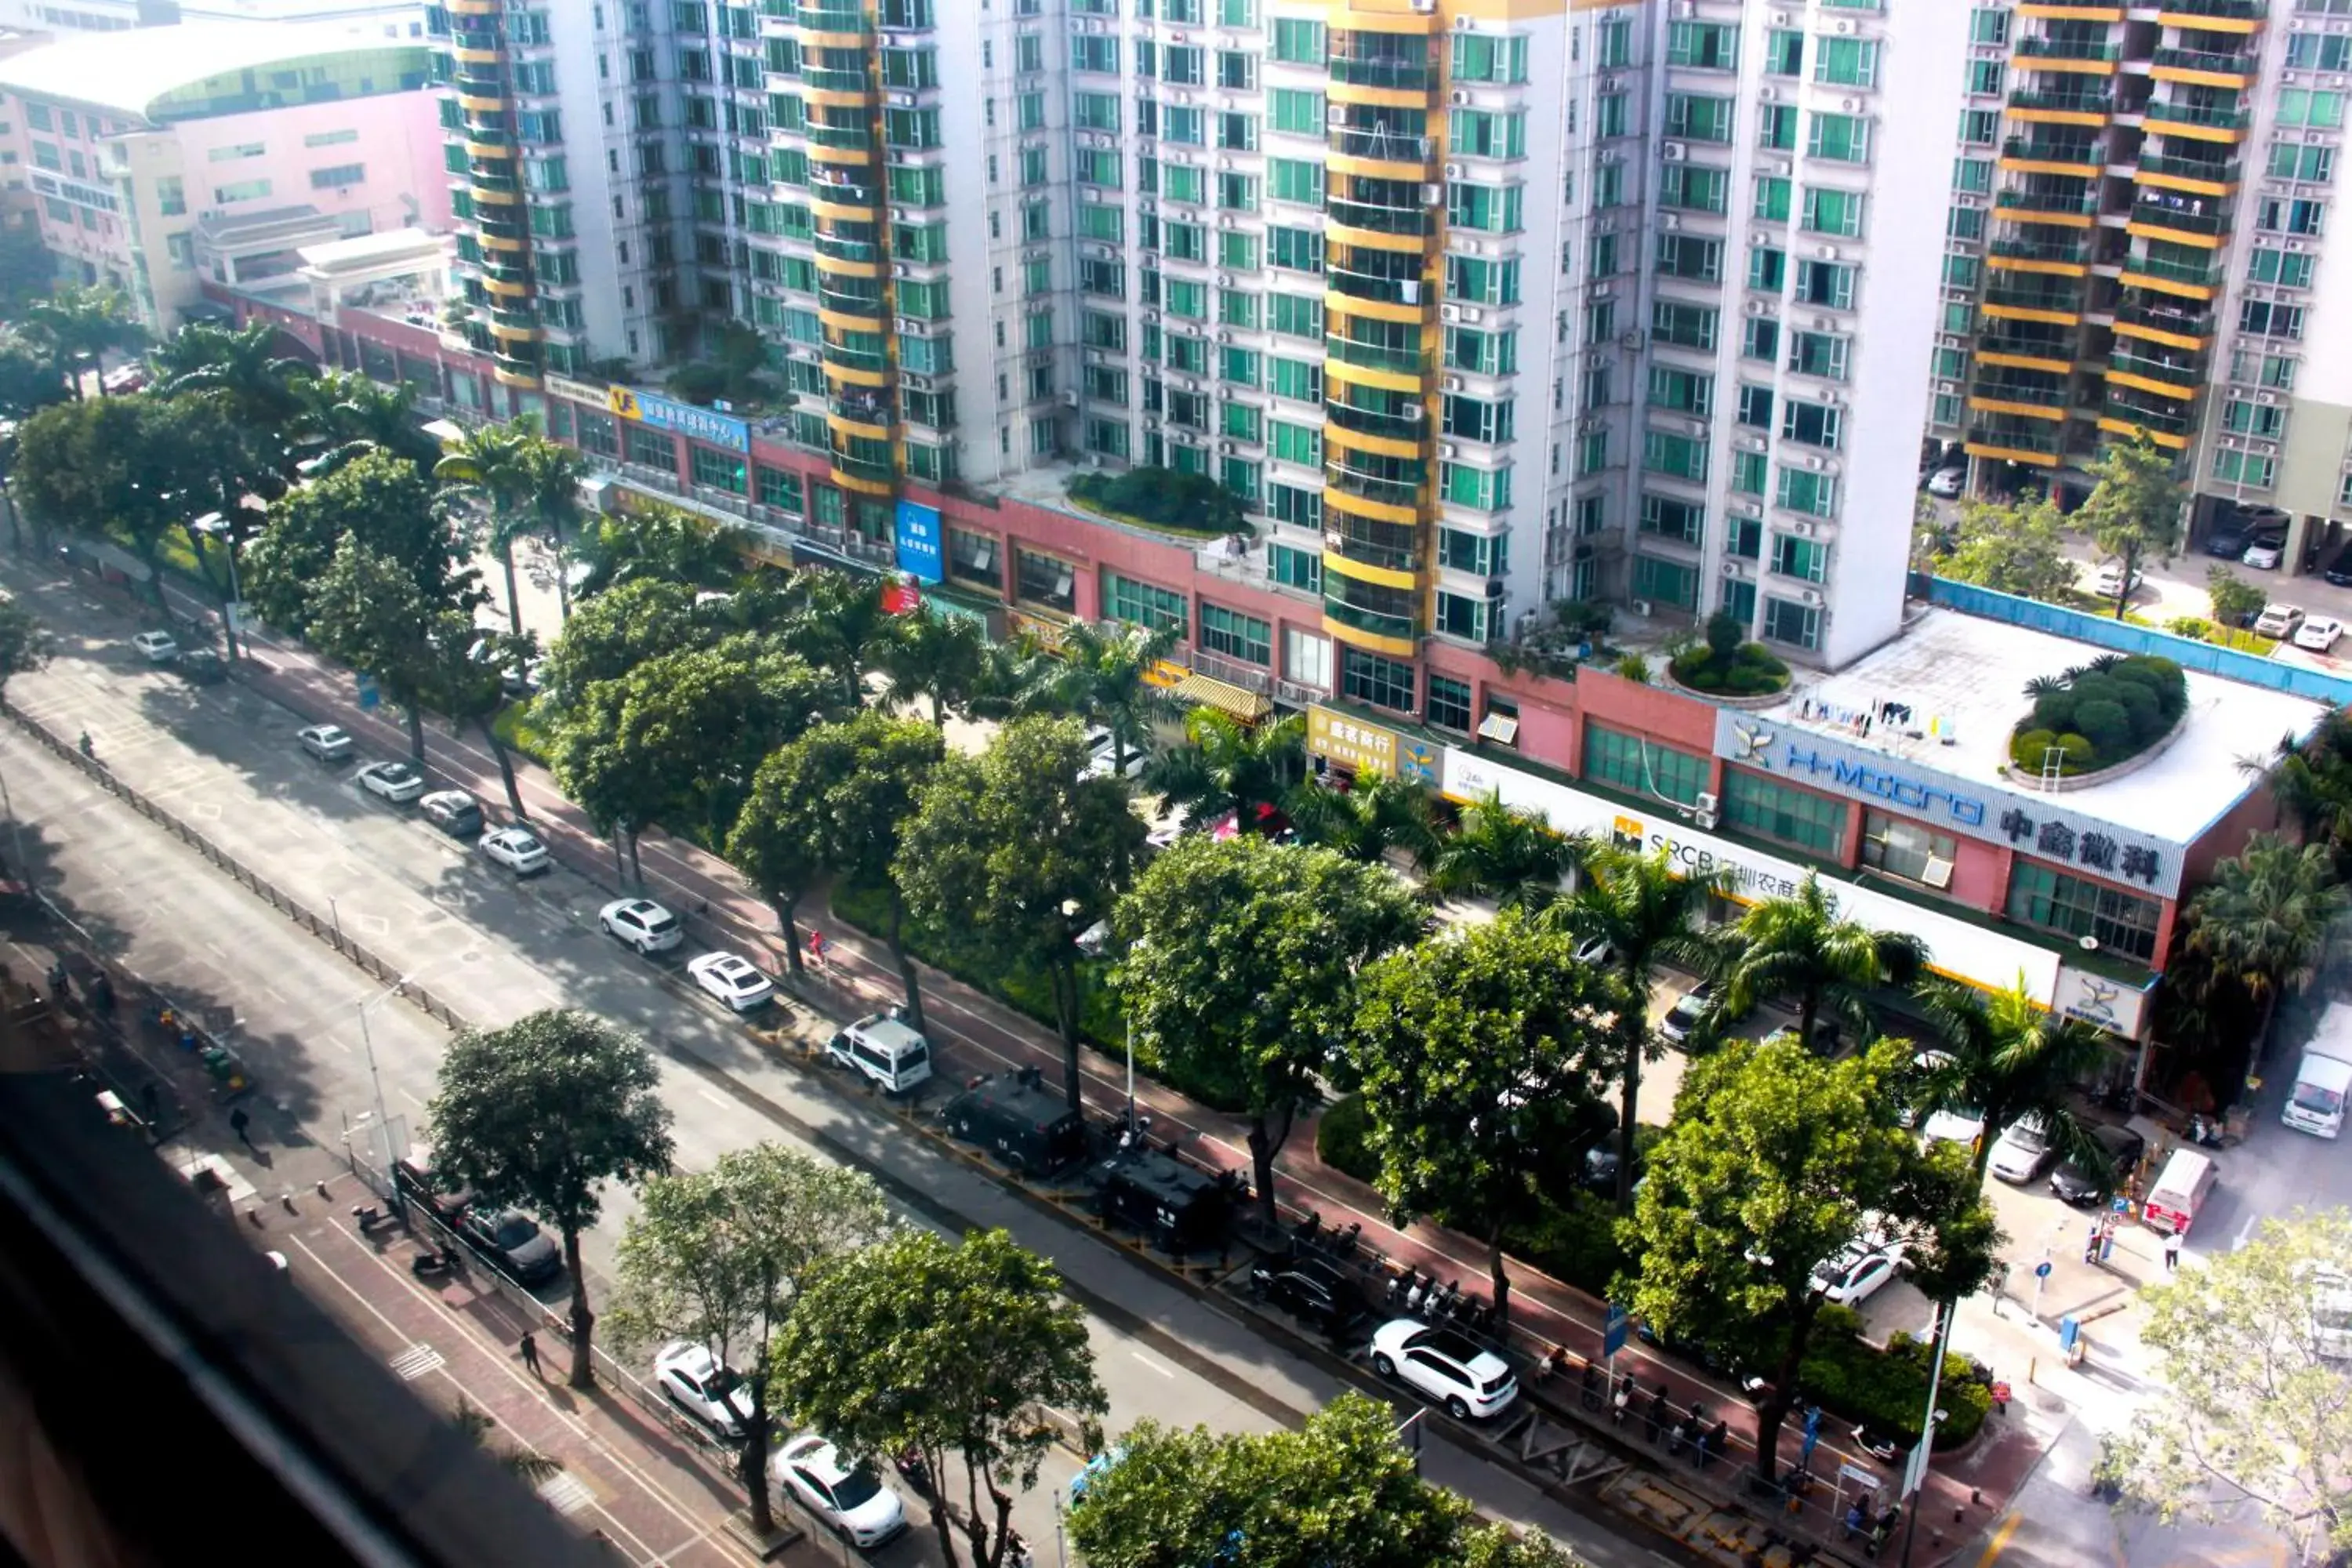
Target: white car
[(1859, 1272), (642, 923), (733, 979), (1961, 1124), (2277, 620), (1595, 950), (2318, 632), (704, 1387), (1101, 748), (1945, 483), (328, 743), (1466, 1378), (395, 781), (2110, 581), (157, 647), (2264, 555), (518, 849), (2021, 1151), (851, 1499)]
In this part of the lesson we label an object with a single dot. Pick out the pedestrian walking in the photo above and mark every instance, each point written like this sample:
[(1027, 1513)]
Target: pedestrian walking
[(2172, 1253), (1854, 1519), (241, 1124), (1659, 1411), (1623, 1400), (817, 948), (529, 1348), (1718, 1439), (1674, 1435)]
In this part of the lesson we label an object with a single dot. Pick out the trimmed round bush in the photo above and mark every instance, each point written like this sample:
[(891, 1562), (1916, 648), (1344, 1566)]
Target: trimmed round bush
[(2054, 712), (2107, 727), (2027, 748)]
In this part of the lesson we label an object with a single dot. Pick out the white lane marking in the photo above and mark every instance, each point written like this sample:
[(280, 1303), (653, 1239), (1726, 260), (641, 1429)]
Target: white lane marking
[(719, 1100), (1167, 1372)]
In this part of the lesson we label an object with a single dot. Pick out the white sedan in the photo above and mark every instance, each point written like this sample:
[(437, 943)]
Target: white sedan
[(733, 980), (157, 647), (2110, 581), (704, 1387), (395, 781), (1945, 483), (1855, 1275), (2318, 632), (518, 849), (642, 923), (851, 1499), (2277, 620), (2019, 1155)]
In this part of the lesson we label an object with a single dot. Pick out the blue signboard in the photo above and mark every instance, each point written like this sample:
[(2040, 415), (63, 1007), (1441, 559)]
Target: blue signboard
[(663, 414), (1614, 1332), (370, 697), (919, 541)]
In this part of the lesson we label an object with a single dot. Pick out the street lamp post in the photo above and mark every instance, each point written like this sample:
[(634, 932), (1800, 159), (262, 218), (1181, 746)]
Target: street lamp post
[(214, 524), (375, 1077)]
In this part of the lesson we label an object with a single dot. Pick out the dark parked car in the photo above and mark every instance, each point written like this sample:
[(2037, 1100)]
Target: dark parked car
[(2338, 570), (203, 666), (454, 811), (1178, 1208), (2073, 1185), (1311, 1290), (512, 1239), (1016, 1117)]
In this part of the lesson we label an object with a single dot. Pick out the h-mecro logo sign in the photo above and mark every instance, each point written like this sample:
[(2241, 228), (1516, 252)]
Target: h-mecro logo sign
[(1861, 778)]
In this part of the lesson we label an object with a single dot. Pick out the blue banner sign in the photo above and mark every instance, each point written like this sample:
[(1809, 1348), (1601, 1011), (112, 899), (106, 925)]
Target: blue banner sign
[(919, 541), (666, 413)]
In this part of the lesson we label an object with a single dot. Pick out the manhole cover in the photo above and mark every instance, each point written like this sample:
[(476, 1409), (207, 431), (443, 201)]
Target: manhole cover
[(471, 955)]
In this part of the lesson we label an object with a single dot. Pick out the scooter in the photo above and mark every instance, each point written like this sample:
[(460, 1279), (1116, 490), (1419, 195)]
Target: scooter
[(434, 1265), (369, 1218), (2206, 1133), (914, 1470)]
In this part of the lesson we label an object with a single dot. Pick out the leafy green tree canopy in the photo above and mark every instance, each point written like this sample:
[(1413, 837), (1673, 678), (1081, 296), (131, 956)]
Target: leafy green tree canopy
[(2014, 549)]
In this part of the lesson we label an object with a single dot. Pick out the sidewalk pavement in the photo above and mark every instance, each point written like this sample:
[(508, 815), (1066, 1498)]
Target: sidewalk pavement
[(1963, 1495)]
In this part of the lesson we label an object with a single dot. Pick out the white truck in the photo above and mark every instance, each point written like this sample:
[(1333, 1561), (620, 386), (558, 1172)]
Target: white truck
[(2323, 1079)]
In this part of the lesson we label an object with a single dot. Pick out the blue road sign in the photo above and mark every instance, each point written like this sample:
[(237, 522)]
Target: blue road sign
[(1612, 1333), (2069, 1331), (2119, 1204), (370, 698), (2042, 1270)]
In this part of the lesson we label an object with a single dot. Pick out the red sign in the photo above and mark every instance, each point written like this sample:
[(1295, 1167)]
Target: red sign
[(902, 599)]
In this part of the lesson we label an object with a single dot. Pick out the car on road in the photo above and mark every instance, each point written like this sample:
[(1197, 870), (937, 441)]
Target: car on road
[(1689, 1011), (2318, 632), (1945, 484), (415, 1181), (1471, 1382), (328, 743), (704, 1387), (156, 647), (733, 979), (395, 781), (1312, 1291), (641, 923), (2110, 581), (2021, 1150), (512, 1239), (518, 849), (2278, 621), (202, 666), (1859, 1272), (122, 379), (1596, 952), (453, 810), (1101, 749), (2264, 551), (2076, 1183), (884, 1050), (849, 1498), (2339, 569), (1957, 1125)]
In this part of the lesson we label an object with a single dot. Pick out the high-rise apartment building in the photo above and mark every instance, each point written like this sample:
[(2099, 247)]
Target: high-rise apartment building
[(2136, 243), (1478, 305)]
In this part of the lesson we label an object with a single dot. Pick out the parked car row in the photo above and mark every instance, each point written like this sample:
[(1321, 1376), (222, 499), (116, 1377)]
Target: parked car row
[(507, 1237)]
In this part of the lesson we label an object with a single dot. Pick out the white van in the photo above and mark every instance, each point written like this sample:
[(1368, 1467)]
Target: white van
[(884, 1050), (2173, 1202), (2315, 1101)]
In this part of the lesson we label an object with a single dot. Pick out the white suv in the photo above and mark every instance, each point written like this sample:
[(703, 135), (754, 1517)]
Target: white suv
[(642, 923), (1469, 1380)]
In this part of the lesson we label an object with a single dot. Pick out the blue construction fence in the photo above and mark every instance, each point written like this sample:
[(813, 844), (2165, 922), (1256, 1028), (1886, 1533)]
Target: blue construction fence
[(2124, 637)]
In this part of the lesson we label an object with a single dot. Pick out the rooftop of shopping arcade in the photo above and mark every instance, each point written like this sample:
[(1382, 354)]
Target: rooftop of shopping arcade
[(1892, 778)]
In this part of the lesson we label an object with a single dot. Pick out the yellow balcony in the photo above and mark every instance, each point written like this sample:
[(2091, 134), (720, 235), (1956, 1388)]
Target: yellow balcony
[(2203, 68)]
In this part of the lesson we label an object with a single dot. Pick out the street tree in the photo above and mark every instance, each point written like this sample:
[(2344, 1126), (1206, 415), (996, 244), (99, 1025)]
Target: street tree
[(1648, 914), (2133, 512), (551, 476), (837, 801), (366, 611), (465, 679), (1227, 768), (613, 632), (2234, 601), (1365, 823), (118, 466), (245, 369), (78, 323), (938, 658), (1769, 1167), (775, 845), (28, 270), (1239, 961), (25, 642), (344, 414), (945, 1348), (2311, 777), (2001, 1056), (833, 619), (1485, 1053), (2252, 1401), (490, 471), (662, 542), (1019, 852), (541, 1114), (2269, 916), (720, 1257), (2019, 548), (1340, 1492), (1800, 946), (378, 498), (28, 376), (1503, 853), (1106, 678)]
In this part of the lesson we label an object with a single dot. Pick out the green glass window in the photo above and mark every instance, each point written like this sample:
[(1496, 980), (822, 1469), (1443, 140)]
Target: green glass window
[(1770, 809), (1145, 604), (1642, 767)]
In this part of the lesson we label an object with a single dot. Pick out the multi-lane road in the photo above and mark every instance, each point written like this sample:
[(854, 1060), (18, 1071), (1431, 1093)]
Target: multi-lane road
[(325, 1041)]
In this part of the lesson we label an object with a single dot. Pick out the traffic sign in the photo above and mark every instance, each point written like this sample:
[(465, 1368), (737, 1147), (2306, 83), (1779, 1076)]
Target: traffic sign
[(370, 698), (2042, 1270), (1612, 1333), (1858, 1476)]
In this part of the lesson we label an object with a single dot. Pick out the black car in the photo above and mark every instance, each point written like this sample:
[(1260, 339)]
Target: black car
[(2124, 1150), (203, 666), (414, 1178), (512, 1239), (2338, 570), (1016, 1117), (1311, 1290), (2229, 540), (1179, 1209)]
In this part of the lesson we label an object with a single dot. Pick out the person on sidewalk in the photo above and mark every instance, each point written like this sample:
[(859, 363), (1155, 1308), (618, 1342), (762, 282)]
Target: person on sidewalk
[(1854, 1519), (529, 1348), (242, 1125), (817, 948), (2172, 1253), (1659, 1410)]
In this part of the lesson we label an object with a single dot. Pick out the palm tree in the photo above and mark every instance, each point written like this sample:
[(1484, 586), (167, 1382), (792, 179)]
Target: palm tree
[(2268, 917), (1648, 914), (1501, 851), (1105, 678), (2007, 1059), (551, 474), (1798, 945), (2311, 778), (834, 621), (491, 467), (344, 414), (524, 1465), (1226, 765), (1366, 822), (938, 657), (243, 367), (78, 323)]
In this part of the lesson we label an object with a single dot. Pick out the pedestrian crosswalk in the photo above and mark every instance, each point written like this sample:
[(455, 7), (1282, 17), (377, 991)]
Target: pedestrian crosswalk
[(565, 1493), (416, 1361)]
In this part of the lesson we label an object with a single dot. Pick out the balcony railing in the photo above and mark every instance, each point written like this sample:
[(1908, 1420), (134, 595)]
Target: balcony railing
[(848, 138), (835, 248), (831, 17), (2197, 114), (1412, 76), (1388, 427), (1400, 627), (1364, 485), (2217, 61), (2188, 215), (2159, 418), (861, 467), (2043, 388), (2028, 345), (2067, 102), (1369, 544), (2057, 203), (843, 304), (2221, 171), (2067, 301), (2204, 274), (834, 80), (2051, 150), (842, 358), (2180, 369), (2062, 48), (2015, 438), (1389, 146), (1393, 290), (2077, 251), (2237, 10), (1375, 356), (2165, 319), (1380, 219), (839, 193)]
